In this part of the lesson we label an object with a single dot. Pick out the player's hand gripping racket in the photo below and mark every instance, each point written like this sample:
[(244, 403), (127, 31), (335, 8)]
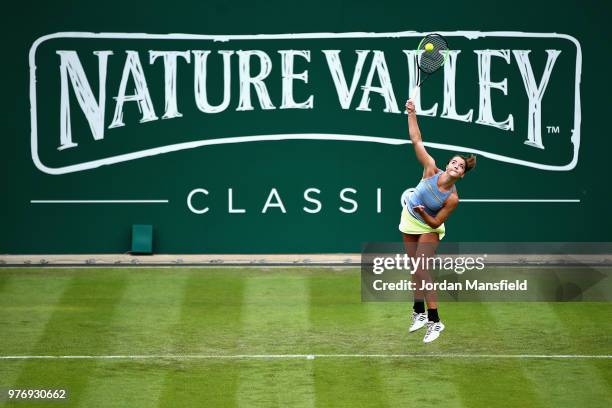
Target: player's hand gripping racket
[(432, 53)]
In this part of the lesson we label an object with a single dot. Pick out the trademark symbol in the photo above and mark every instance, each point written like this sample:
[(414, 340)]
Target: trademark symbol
[(553, 129)]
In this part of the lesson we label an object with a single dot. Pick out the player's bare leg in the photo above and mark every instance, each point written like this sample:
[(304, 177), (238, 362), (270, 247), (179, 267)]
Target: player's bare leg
[(426, 249), (419, 317)]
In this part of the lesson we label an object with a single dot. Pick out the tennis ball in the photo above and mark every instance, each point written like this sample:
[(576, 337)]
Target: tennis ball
[(429, 47)]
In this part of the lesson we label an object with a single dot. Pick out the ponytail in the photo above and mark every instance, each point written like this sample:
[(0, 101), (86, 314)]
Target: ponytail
[(470, 161)]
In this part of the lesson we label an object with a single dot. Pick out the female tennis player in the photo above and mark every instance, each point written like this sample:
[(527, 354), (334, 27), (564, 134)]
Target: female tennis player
[(422, 221)]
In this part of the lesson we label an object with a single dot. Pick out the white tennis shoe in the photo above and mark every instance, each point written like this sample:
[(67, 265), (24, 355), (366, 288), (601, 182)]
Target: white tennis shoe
[(418, 320), (433, 331)]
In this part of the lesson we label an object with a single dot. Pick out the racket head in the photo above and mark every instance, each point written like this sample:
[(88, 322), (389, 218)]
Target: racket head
[(432, 60)]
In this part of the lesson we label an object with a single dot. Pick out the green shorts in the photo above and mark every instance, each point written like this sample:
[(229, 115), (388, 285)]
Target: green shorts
[(410, 225)]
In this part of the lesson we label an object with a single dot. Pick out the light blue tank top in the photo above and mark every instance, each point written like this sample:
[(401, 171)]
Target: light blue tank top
[(428, 195)]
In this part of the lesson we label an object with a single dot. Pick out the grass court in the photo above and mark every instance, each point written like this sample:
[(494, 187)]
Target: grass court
[(286, 337)]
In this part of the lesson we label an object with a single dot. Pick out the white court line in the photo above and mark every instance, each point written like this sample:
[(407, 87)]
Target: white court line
[(97, 201), (306, 356)]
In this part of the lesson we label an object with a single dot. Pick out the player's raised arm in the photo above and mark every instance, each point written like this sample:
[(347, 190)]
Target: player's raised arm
[(429, 165)]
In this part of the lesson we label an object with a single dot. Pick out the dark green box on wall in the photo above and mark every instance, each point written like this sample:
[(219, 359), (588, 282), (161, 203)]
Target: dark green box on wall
[(142, 239)]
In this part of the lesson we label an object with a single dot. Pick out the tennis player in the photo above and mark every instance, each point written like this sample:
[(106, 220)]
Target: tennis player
[(422, 222)]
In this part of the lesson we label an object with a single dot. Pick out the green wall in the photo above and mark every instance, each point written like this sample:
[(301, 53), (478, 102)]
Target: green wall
[(166, 159)]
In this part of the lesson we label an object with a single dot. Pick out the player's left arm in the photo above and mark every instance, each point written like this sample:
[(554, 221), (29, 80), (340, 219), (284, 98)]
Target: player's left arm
[(443, 214)]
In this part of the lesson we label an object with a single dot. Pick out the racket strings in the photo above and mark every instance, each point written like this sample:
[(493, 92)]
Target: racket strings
[(430, 61)]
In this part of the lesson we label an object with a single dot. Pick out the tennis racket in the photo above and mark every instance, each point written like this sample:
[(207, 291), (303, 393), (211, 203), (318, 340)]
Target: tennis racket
[(431, 56)]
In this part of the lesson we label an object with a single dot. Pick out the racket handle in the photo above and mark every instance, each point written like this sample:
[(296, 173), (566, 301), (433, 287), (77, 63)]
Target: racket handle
[(414, 92)]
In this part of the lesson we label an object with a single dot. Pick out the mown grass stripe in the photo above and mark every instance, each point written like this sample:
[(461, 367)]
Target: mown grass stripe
[(404, 380), (337, 313), (584, 327), (4, 280), (78, 325), (510, 380), (209, 322), (145, 317), (26, 306), (275, 317), (541, 320)]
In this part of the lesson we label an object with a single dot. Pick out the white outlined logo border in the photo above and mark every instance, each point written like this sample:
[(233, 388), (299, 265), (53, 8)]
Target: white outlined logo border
[(575, 138)]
